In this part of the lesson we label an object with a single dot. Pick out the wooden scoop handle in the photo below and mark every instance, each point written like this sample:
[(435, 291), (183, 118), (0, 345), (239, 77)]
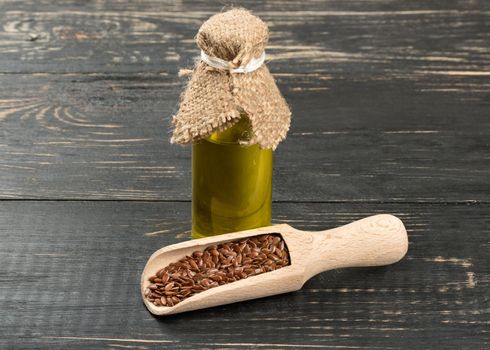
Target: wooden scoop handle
[(374, 241)]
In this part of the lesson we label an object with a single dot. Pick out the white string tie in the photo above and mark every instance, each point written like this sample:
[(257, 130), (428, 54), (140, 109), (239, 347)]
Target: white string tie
[(218, 63)]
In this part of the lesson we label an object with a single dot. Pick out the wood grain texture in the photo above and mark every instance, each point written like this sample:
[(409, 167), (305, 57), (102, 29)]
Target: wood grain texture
[(107, 137), (391, 106), (70, 279), (344, 37)]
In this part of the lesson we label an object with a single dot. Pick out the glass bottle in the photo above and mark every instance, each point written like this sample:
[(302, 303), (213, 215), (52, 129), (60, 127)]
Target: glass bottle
[(231, 183)]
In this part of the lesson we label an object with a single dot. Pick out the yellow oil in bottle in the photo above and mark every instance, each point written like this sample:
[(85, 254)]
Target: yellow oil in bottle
[(231, 183)]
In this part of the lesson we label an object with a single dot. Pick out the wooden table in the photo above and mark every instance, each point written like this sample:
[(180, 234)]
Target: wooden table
[(391, 105)]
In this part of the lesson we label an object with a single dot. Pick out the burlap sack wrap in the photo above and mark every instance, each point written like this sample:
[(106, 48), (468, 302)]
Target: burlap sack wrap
[(215, 99)]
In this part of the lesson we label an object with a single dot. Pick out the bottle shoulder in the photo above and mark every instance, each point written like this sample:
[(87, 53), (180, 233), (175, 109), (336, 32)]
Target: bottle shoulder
[(239, 134)]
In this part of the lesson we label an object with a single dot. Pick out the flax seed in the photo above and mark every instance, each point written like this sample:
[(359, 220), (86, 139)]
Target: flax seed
[(215, 266)]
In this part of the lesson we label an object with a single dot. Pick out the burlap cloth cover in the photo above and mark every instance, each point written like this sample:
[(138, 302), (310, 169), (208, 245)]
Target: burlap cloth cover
[(214, 99)]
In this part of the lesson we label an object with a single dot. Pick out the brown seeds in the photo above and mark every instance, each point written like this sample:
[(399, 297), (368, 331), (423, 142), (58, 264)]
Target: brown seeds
[(193, 264), (215, 266)]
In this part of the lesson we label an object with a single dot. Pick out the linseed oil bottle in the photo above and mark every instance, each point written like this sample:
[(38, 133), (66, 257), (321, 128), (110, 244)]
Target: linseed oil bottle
[(234, 115)]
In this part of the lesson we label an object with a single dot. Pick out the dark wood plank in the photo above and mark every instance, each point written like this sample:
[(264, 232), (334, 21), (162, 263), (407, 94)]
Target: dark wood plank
[(70, 274), (338, 37), (420, 139)]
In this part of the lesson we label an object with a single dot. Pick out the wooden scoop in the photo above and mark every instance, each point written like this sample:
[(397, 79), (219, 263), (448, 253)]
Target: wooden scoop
[(373, 241)]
